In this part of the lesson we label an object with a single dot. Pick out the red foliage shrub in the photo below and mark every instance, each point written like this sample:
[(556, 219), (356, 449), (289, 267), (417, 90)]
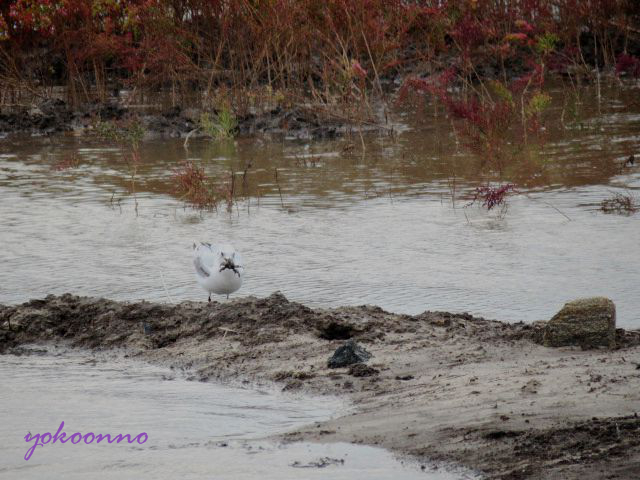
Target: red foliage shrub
[(493, 196), (190, 45), (193, 185)]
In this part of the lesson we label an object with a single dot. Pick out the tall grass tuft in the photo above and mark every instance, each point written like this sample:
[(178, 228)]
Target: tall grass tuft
[(222, 126)]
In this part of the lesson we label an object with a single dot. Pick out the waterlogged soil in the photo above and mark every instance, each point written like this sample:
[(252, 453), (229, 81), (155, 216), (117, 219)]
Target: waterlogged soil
[(443, 386), (55, 116)]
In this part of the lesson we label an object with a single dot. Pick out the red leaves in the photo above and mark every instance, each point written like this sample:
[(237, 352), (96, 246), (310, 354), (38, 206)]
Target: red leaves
[(516, 37), (200, 190), (524, 26), (628, 64), (469, 32), (193, 184), (358, 70), (157, 43), (493, 196)]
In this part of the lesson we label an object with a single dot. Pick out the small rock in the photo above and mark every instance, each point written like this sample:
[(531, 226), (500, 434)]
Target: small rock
[(587, 322), (348, 354)]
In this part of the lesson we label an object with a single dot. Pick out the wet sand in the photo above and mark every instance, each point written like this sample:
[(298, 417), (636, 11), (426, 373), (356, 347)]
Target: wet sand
[(441, 386)]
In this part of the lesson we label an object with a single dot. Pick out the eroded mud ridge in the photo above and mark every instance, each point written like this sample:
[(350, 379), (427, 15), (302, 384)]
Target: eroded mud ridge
[(54, 116), (439, 385)]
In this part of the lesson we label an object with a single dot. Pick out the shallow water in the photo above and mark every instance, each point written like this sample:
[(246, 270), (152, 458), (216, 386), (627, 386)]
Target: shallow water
[(343, 228), (195, 430)]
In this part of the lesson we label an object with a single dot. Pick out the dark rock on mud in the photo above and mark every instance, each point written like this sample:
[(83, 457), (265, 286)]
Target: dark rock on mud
[(348, 354), (587, 322)]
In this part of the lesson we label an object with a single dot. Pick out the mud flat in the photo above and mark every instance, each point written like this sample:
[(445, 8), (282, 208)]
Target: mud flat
[(55, 116), (442, 386)]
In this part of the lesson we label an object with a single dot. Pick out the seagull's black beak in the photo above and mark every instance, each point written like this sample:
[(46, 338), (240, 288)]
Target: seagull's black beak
[(229, 265)]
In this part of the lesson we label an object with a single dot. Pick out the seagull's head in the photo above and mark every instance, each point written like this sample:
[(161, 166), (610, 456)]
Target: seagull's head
[(226, 253)]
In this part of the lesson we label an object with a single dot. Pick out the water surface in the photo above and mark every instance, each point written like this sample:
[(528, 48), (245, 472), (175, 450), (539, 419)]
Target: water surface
[(340, 226), (195, 430)]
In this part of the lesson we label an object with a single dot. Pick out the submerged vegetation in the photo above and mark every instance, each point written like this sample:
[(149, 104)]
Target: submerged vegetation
[(128, 133), (491, 196), (625, 204), (200, 190), (222, 127)]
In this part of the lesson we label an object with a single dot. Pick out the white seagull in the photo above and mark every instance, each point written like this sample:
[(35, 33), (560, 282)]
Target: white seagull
[(219, 268)]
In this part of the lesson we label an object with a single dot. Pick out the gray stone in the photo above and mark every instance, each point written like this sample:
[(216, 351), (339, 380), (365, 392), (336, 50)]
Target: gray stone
[(348, 354), (587, 322)]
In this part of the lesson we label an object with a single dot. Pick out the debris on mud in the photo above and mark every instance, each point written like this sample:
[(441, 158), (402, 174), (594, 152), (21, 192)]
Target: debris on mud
[(320, 463), (362, 370)]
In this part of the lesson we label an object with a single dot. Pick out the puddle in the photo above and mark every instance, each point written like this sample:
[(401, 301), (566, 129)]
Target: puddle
[(195, 430)]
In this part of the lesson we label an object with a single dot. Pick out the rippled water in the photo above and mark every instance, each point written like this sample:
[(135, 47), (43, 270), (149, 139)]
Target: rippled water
[(195, 430), (345, 227)]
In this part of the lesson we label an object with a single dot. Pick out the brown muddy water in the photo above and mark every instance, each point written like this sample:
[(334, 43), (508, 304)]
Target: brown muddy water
[(340, 227)]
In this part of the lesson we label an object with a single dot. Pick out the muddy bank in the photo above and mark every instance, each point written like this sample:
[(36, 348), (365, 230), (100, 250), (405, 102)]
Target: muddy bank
[(439, 385), (56, 116)]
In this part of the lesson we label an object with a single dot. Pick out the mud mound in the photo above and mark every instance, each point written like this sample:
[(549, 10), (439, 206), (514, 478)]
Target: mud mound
[(438, 385), (97, 322)]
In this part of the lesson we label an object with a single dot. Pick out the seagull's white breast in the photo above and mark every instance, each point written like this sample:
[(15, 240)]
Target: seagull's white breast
[(211, 275)]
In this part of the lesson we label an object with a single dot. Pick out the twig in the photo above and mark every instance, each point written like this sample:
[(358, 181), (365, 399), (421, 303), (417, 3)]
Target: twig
[(279, 190), (227, 330), (186, 140), (549, 205), (165, 288)]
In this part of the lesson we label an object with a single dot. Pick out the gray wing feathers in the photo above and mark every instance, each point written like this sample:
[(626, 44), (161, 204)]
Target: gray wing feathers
[(202, 253), (201, 270)]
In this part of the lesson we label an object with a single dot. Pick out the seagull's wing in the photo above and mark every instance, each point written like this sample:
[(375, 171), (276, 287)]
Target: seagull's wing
[(203, 257)]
